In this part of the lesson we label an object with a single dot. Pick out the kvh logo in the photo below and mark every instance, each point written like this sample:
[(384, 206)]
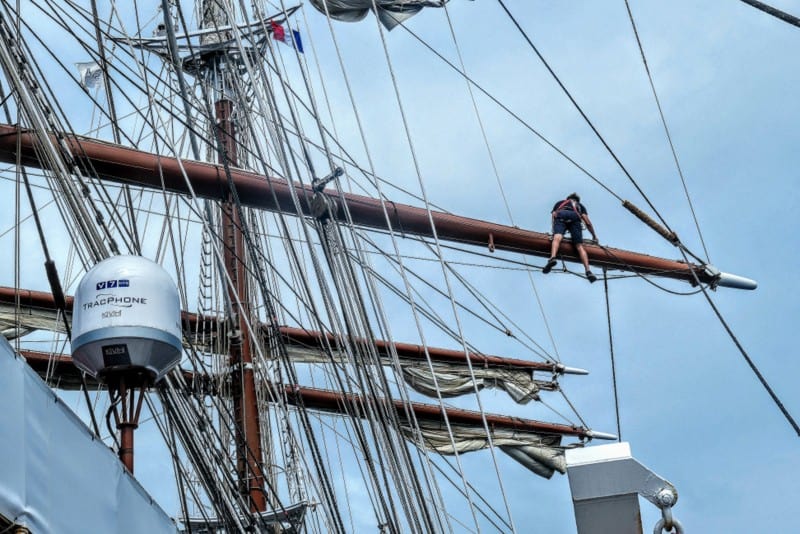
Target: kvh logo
[(110, 284)]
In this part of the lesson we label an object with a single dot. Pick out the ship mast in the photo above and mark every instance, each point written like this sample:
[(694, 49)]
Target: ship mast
[(217, 74)]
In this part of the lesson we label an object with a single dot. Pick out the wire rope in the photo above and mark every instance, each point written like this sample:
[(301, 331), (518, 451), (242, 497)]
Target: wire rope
[(666, 130), (747, 359), (611, 351), (775, 12)]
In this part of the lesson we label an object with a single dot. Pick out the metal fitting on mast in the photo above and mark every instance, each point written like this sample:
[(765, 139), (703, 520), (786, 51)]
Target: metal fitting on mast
[(606, 482)]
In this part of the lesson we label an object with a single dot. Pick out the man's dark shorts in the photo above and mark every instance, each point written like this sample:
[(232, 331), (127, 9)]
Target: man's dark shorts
[(569, 220)]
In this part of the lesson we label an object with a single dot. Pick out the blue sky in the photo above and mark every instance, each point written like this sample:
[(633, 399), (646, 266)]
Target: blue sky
[(728, 79)]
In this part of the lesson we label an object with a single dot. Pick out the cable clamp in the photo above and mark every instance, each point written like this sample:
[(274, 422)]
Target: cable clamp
[(318, 184)]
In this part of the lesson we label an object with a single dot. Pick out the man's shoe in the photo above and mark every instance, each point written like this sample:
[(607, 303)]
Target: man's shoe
[(550, 264), (592, 278)]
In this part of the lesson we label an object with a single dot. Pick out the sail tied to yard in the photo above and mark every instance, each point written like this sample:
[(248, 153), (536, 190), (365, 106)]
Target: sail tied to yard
[(389, 12), (453, 380), (540, 453)]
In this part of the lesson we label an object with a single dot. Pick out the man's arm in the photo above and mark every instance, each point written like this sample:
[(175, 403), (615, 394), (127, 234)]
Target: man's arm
[(589, 225)]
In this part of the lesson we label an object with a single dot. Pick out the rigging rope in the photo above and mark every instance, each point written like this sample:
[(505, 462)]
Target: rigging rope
[(414, 309), (580, 110), (777, 13), (519, 119), (496, 172), (611, 350), (746, 357), (415, 161), (666, 130)]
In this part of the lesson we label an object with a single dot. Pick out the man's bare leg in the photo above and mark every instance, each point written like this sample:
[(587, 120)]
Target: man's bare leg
[(553, 251), (556, 243), (585, 260)]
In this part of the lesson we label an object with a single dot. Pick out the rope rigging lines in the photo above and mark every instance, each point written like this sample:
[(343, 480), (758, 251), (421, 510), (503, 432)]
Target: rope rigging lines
[(357, 289), (775, 12)]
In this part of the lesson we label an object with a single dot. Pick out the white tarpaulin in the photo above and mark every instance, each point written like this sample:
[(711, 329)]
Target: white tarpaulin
[(540, 453), (55, 477), (389, 12)]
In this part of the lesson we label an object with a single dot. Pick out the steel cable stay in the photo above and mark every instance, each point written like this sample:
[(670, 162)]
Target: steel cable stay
[(37, 109), (777, 13), (411, 471), (380, 389), (499, 181), (114, 122), (130, 78), (335, 232), (220, 502), (611, 351), (239, 208), (317, 268), (34, 107), (395, 245), (221, 409), (748, 360), (486, 304), (597, 133), (431, 314), (485, 510), (96, 185), (666, 130), (414, 311), (173, 239), (514, 115), (417, 169)]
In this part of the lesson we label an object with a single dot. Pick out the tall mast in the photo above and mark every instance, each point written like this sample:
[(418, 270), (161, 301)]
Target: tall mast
[(249, 453)]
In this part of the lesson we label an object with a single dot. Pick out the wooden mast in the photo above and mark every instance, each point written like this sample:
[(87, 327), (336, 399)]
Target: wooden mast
[(249, 453), (250, 458)]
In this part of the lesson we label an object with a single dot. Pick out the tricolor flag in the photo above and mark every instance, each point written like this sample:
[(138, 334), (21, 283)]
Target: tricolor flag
[(90, 73), (279, 34)]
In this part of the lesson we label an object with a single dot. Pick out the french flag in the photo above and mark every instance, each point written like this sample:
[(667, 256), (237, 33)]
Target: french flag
[(279, 34)]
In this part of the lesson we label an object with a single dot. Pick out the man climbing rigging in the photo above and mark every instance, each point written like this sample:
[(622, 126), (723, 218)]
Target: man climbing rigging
[(567, 215)]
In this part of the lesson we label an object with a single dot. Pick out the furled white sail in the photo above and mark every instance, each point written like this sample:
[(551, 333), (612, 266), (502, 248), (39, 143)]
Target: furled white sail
[(454, 380), (389, 12), (541, 454)]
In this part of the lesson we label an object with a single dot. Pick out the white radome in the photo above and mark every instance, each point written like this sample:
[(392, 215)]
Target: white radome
[(126, 318)]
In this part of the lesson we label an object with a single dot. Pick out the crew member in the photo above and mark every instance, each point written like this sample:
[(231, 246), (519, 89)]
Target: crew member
[(567, 215)]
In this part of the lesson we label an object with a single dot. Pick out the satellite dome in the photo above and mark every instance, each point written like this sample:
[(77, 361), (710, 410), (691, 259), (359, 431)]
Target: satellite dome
[(126, 319)]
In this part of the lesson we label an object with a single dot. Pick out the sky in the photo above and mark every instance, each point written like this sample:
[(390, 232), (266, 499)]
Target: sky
[(727, 78)]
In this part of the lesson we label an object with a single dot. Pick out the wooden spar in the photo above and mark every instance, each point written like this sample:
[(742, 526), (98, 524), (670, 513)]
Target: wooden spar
[(120, 164), (332, 401), (306, 339)]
